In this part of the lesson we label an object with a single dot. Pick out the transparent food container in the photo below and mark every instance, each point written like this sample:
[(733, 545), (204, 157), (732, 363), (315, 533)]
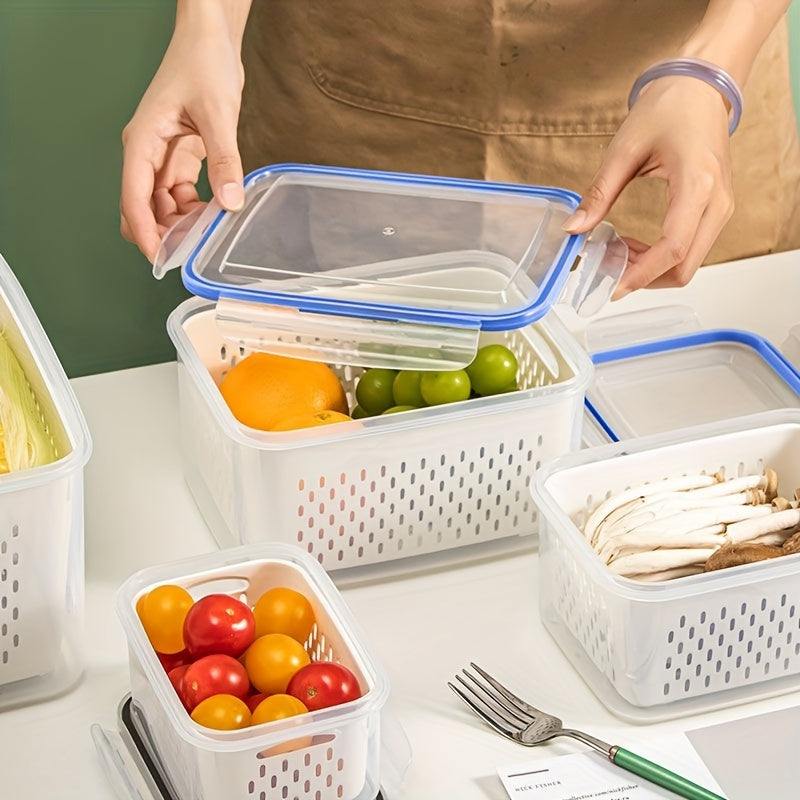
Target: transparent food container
[(363, 269), (41, 525), (332, 752), (658, 650), (659, 370)]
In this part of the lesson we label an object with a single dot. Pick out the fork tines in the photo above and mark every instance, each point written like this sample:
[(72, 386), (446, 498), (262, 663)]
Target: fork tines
[(492, 702)]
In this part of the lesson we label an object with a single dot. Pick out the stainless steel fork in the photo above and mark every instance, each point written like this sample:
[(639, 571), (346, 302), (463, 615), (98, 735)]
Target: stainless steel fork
[(518, 720)]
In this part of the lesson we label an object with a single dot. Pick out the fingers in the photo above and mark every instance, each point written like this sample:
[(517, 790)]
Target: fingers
[(617, 171), (694, 219), (138, 221), (225, 174)]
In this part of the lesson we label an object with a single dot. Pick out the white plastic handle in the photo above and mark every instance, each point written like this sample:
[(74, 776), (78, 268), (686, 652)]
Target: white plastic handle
[(640, 326), (182, 237), (345, 340), (593, 280), (791, 346)]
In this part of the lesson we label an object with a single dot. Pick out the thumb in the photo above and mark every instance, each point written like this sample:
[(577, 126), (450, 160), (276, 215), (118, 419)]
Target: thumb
[(225, 174)]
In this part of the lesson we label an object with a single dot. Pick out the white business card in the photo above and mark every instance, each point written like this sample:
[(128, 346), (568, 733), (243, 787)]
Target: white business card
[(581, 776)]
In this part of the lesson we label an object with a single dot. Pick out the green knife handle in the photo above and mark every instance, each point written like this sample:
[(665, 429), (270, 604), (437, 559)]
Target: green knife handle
[(660, 776)]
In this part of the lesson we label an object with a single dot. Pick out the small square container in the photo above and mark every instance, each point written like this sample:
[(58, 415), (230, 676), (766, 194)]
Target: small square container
[(658, 370), (653, 651), (41, 524), (339, 748), (362, 269)]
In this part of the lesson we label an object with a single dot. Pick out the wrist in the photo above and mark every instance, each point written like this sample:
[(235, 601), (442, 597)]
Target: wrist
[(203, 19), (696, 69)]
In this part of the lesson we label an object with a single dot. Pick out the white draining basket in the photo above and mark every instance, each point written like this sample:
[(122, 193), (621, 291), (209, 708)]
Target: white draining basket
[(41, 525), (378, 492), (342, 759), (659, 650)]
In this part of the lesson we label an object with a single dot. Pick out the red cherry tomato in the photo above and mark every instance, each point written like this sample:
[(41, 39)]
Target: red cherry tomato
[(171, 660), (218, 623), (323, 684), (214, 674), (175, 676), (254, 699)]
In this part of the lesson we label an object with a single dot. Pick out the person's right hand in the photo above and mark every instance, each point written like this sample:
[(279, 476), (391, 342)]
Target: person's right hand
[(189, 113)]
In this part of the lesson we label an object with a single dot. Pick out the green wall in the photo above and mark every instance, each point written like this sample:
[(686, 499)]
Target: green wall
[(71, 74)]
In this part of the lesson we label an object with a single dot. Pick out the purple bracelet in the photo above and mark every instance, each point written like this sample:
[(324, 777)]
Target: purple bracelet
[(694, 68)]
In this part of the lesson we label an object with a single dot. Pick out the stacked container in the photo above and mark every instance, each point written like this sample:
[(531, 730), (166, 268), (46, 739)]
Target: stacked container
[(332, 752), (41, 525), (363, 269), (697, 401)]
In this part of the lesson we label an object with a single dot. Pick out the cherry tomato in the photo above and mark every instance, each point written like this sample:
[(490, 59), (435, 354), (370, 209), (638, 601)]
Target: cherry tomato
[(175, 676), (283, 610), (447, 386), (254, 699), (493, 369), (323, 684), (374, 390), (281, 706), (214, 674), (272, 660), (171, 660), (162, 612), (219, 623), (222, 712), (405, 389), (278, 706)]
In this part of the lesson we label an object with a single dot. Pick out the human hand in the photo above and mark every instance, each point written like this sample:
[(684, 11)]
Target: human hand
[(188, 113), (677, 130)]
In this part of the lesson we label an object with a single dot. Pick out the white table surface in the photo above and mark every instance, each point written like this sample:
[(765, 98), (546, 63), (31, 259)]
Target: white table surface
[(423, 627)]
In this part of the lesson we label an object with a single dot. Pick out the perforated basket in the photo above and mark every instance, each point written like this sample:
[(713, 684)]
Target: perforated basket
[(41, 525), (333, 752), (659, 650), (377, 492)]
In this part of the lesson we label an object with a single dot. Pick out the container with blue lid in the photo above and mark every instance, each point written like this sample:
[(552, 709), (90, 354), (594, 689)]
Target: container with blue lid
[(658, 370), (363, 269), (388, 269)]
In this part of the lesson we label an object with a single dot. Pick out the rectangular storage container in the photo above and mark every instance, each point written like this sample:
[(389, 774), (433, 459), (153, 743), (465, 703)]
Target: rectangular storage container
[(333, 752), (658, 370), (41, 525), (657, 650), (363, 269), (374, 493)]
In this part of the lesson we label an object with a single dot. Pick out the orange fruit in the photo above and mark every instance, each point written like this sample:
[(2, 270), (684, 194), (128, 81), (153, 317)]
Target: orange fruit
[(264, 388), (309, 419)]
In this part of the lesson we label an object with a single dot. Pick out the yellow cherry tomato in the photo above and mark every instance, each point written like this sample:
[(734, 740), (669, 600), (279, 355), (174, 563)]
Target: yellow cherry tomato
[(283, 610), (271, 661), (222, 712), (277, 706), (162, 612)]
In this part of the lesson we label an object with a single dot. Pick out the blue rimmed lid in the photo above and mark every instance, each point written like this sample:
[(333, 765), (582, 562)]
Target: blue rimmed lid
[(690, 378), (372, 267)]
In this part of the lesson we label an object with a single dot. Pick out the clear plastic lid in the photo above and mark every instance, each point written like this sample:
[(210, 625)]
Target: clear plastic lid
[(376, 264), (690, 377)]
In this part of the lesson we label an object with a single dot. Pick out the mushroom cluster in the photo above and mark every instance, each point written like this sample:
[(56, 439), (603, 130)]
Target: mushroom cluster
[(690, 524)]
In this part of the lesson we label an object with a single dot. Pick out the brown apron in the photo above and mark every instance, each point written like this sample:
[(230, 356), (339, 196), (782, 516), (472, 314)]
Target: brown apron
[(507, 90)]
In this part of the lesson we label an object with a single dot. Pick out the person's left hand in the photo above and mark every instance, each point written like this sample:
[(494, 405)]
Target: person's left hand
[(677, 130)]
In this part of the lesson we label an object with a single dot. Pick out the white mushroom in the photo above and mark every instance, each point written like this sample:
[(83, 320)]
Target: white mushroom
[(753, 528), (652, 561), (613, 502)]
